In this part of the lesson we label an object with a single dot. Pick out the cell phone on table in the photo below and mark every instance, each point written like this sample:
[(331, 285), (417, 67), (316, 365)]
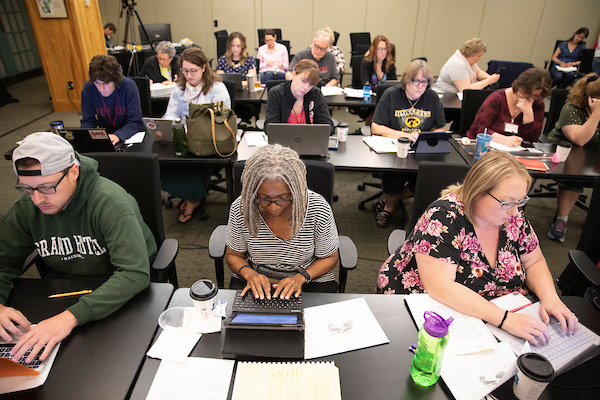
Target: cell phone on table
[(512, 302)]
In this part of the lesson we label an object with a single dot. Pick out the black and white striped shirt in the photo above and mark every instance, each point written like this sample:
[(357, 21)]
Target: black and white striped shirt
[(277, 258)]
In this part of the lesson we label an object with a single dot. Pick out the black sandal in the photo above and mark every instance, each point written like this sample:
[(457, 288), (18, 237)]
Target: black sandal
[(382, 218), (379, 205)]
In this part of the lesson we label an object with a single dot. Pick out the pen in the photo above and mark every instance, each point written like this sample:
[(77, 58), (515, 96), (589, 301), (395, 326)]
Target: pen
[(54, 296)]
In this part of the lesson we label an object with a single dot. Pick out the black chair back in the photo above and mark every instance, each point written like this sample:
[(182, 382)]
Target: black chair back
[(222, 32), (432, 178), (139, 175), (551, 63), (143, 85), (356, 78), (586, 57), (221, 45), (359, 38), (472, 100), (319, 178), (274, 82), (230, 85), (382, 87), (336, 36), (557, 101)]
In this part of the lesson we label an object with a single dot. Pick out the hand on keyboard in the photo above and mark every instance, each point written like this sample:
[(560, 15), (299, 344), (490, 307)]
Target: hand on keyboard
[(556, 308), (527, 327), (288, 286), (258, 284)]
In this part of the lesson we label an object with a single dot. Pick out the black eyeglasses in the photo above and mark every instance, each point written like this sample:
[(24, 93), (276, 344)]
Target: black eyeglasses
[(507, 205), (42, 189), (267, 203)]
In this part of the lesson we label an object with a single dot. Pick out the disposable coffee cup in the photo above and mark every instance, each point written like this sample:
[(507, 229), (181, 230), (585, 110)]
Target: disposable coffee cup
[(534, 372), (55, 126), (175, 323), (563, 149), (251, 81), (403, 146), (483, 144), (204, 296), (342, 132)]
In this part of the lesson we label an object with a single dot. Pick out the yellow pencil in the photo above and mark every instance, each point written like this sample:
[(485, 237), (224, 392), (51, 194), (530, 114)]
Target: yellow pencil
[(54, 296)]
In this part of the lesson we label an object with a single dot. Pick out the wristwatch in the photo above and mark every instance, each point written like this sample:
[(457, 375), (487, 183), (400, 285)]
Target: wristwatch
[(305, 274)]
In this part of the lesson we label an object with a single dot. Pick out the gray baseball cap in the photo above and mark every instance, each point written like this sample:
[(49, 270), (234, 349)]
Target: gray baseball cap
[(52, 151)]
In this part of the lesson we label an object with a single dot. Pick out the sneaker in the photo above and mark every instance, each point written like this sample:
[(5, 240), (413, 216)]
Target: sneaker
[(557, 231)]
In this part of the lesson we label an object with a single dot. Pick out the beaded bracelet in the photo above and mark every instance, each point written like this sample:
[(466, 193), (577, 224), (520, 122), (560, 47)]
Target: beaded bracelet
[(240, 270), (503, 319)]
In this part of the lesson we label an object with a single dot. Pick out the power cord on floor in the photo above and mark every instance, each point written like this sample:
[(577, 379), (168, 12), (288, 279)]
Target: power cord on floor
[(71, 101), (192, 247)]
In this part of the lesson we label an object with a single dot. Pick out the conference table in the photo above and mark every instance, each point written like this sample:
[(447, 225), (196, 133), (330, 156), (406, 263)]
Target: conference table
[(99, 360), (383, 372), (355, 155), (583, 163)]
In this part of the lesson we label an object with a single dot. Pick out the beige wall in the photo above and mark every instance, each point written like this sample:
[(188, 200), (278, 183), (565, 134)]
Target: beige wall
[(514, 30)]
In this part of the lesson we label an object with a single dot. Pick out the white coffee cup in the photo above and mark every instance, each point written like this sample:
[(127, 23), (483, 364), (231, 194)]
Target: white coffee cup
[(534, 372), (203, 294), (563, 149), (342, 132), (403, 146)]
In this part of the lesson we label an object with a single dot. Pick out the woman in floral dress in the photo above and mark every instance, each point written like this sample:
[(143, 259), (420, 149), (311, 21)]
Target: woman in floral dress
[(474, 244)]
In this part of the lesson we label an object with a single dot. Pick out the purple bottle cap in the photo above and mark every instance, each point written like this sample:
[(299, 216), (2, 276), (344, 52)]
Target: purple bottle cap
[(435, 325)]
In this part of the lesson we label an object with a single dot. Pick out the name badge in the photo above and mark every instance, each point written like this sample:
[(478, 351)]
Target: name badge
[(511, 128)]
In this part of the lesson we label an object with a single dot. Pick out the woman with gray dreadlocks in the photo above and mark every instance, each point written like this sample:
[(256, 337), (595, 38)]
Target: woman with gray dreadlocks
[(280, 234)]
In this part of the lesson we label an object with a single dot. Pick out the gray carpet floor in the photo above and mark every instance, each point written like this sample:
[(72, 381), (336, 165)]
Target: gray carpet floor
[(35, 112)]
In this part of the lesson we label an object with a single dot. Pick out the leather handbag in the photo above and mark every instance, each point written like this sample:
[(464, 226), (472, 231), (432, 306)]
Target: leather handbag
[(211, 129)]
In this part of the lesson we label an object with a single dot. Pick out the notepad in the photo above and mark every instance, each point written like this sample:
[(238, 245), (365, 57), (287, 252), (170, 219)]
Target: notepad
[(533, 165), (287, 381)]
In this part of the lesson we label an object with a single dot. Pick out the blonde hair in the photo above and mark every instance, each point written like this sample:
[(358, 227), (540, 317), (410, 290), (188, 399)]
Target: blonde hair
[(472, 47), (412, 70), (273, 163), (489, 171), (588, 86)]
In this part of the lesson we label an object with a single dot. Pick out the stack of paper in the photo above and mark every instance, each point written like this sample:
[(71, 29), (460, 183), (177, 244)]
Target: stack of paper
[(381, 144), (287, 381), (160, 90), (331, 90)]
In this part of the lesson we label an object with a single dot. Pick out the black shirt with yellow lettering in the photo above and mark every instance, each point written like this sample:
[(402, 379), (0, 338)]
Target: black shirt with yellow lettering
[(395, 111)]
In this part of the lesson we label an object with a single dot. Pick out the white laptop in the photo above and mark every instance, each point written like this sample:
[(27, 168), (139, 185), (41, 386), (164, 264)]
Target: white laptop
[(306, 139), (160, 130), (563, 351)]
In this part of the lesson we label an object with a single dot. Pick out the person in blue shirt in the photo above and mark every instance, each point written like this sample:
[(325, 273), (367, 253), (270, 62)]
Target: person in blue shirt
[(111, 101), (567, 54)]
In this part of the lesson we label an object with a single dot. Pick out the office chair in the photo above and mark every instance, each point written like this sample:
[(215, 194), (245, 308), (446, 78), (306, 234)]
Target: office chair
[(139, 175), (336, 36), (381, 88), (319, 177), (143, 85), (222, 32), (557, 101), (582, 272), (359, 38), (432, 178), (221, 45), (472, 100)]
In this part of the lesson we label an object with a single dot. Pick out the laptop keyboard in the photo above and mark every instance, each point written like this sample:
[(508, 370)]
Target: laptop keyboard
[(274, 305), (5, 353), (561, 344)]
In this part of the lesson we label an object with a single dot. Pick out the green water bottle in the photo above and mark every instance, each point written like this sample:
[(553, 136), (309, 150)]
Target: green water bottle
[(179, 139), (433, 339)]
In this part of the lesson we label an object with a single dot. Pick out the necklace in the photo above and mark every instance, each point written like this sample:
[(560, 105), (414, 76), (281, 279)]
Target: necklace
[(412, 105)]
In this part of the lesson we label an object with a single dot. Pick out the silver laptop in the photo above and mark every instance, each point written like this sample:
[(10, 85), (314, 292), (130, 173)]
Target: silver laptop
[(161, 130), (563, 351), (237, 78), (307, 140)]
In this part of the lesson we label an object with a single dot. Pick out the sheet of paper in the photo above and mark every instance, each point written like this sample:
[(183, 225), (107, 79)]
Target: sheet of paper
[(160, 90), (500, 146), (287, 381), (331, 90), (354, 93), (137, 138), (566, 69), (194, 378), (339, 327), (472, 376), (256, 139), (164, 348), (467, 334), (381, 144)]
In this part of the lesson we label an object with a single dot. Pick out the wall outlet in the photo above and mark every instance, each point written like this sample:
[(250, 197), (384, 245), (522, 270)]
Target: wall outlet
[(70, 86), (216, 23)]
